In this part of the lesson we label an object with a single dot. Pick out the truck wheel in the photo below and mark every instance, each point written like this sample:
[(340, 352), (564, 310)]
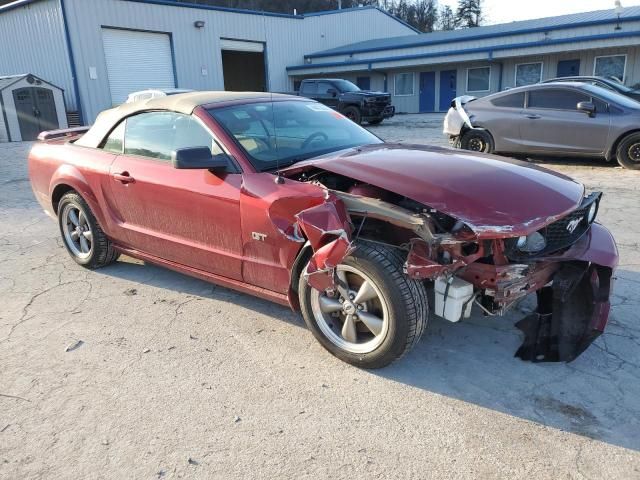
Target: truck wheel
[(82, 236), (477, 140), (377, 121), (383, 317), (353, 114), (628, 153)]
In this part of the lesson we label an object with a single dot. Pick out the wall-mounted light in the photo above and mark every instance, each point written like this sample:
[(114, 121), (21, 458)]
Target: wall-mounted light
[(198, 24), (619, 9)]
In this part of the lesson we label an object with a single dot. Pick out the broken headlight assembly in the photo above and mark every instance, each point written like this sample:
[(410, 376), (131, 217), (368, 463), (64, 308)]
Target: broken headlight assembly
[(558, 235)]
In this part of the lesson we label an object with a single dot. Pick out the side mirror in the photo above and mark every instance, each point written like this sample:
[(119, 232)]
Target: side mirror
[(200, 158), (587, 107), (333, 92)]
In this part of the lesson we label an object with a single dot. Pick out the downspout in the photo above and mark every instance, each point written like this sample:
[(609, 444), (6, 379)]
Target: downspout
[(72, 62), (500, 77)]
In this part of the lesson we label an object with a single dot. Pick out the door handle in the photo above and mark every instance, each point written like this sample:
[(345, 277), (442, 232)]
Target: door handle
[(123, 177), (533, 116)]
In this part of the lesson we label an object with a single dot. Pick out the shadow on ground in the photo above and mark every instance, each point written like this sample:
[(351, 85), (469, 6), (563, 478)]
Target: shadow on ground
[(594, 396)]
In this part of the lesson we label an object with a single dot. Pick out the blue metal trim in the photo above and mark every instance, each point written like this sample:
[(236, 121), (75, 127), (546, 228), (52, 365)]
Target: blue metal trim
[(198, 6), (72, 63), (493, 48), (483, 36)]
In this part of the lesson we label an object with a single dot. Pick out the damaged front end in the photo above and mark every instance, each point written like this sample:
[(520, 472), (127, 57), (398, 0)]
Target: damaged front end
[(571, 277)]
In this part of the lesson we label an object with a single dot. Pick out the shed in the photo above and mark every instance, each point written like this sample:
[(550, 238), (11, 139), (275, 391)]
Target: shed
[(28, 106)]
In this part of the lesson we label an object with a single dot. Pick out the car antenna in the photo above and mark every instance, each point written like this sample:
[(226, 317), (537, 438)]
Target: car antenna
[(279, 178)]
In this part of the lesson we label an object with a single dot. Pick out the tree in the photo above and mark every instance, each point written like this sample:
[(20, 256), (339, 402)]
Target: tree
[(469, 13), (425, 15), (446, 19)]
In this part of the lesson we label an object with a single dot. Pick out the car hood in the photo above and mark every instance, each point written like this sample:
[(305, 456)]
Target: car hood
[(494, 196)]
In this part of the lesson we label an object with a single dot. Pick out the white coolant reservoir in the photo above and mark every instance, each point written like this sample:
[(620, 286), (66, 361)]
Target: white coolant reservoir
[(453, 298)]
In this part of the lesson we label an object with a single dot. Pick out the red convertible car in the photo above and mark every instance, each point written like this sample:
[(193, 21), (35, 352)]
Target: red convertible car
[(286, 199)]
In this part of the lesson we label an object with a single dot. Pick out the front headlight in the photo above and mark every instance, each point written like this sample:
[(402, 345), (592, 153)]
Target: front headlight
[(532, 243)]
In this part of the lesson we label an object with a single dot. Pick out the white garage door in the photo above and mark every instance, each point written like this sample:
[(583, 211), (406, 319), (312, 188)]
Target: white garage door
[(137, 61)]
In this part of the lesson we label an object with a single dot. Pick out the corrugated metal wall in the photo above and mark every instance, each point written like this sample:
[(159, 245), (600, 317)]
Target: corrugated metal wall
[(32, 40), (197, 55)]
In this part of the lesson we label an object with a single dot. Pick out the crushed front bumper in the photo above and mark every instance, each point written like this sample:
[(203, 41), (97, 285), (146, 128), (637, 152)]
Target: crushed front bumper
[(574, 310)]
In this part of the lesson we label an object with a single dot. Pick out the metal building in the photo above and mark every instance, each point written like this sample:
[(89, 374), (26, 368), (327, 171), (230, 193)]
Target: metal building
[(424, 72), (98, 51)]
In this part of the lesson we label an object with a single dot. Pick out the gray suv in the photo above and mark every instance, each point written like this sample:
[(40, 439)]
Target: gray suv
[(552, 119)]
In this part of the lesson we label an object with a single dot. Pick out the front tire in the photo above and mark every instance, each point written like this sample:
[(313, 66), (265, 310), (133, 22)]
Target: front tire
[(384, 316), (477, 140), (628, 153), (81, 234)]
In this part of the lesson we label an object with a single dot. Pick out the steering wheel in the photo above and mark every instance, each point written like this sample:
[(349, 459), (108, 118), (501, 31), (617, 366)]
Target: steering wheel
[(311, 138)]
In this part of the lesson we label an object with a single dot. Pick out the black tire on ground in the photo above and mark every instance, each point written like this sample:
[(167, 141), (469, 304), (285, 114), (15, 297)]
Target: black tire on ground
[(353, 114), (628, 153), (377, 121), (407, 302), (101, 252), (477, 140)]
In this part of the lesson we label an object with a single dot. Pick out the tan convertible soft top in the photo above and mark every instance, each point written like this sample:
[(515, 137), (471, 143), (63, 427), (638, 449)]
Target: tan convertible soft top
[(182, 103)]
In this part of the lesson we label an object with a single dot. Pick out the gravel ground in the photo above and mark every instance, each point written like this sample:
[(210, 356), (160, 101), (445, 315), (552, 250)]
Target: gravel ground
[(171, 377)]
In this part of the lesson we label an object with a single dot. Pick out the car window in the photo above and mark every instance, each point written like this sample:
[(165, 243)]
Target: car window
[(309, 87), (158, 134), (515, 100), (558, 99), (281, 133), (324, 87), (115, 140)]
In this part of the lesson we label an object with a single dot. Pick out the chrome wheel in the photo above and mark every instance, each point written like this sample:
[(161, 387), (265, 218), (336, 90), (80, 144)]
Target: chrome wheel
[(634, 152), (77, 231), (355, 317)]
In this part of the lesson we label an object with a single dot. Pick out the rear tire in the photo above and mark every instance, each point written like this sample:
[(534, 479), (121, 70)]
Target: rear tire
[(397, 302), (628, 152), (81, 234), (353, 114), (477, 140)]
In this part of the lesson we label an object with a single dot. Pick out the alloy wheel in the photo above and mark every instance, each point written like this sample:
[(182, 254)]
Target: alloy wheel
[(634, 152), (355, 316), (77, 231)]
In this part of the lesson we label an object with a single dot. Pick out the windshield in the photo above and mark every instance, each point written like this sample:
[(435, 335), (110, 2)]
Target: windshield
[(346, 86), (279, 134)]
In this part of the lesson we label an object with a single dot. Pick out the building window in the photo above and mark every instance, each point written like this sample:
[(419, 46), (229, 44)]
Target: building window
[(478, 79), (610, 66), (404, 84), (528, 73)]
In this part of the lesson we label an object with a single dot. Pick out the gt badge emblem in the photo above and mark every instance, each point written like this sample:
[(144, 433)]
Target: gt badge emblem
[(258, 236), (573, 224)]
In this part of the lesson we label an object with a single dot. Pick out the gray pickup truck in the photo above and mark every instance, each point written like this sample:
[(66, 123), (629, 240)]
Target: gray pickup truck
[(345, 97)]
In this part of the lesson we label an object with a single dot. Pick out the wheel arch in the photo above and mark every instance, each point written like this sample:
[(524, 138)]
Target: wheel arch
[(68, 178), (613, 151)]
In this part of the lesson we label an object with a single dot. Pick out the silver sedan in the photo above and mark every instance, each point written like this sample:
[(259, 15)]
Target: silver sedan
[(559, 119)]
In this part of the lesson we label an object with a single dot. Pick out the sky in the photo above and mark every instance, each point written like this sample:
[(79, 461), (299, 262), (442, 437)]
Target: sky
[(503, 11)]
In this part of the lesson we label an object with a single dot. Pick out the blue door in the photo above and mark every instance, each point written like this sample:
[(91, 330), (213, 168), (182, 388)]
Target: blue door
[(427, 92), (364, 83), (448, 82), (568, 68)]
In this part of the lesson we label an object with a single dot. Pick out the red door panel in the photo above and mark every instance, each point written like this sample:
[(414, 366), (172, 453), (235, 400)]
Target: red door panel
[(191, 217)]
